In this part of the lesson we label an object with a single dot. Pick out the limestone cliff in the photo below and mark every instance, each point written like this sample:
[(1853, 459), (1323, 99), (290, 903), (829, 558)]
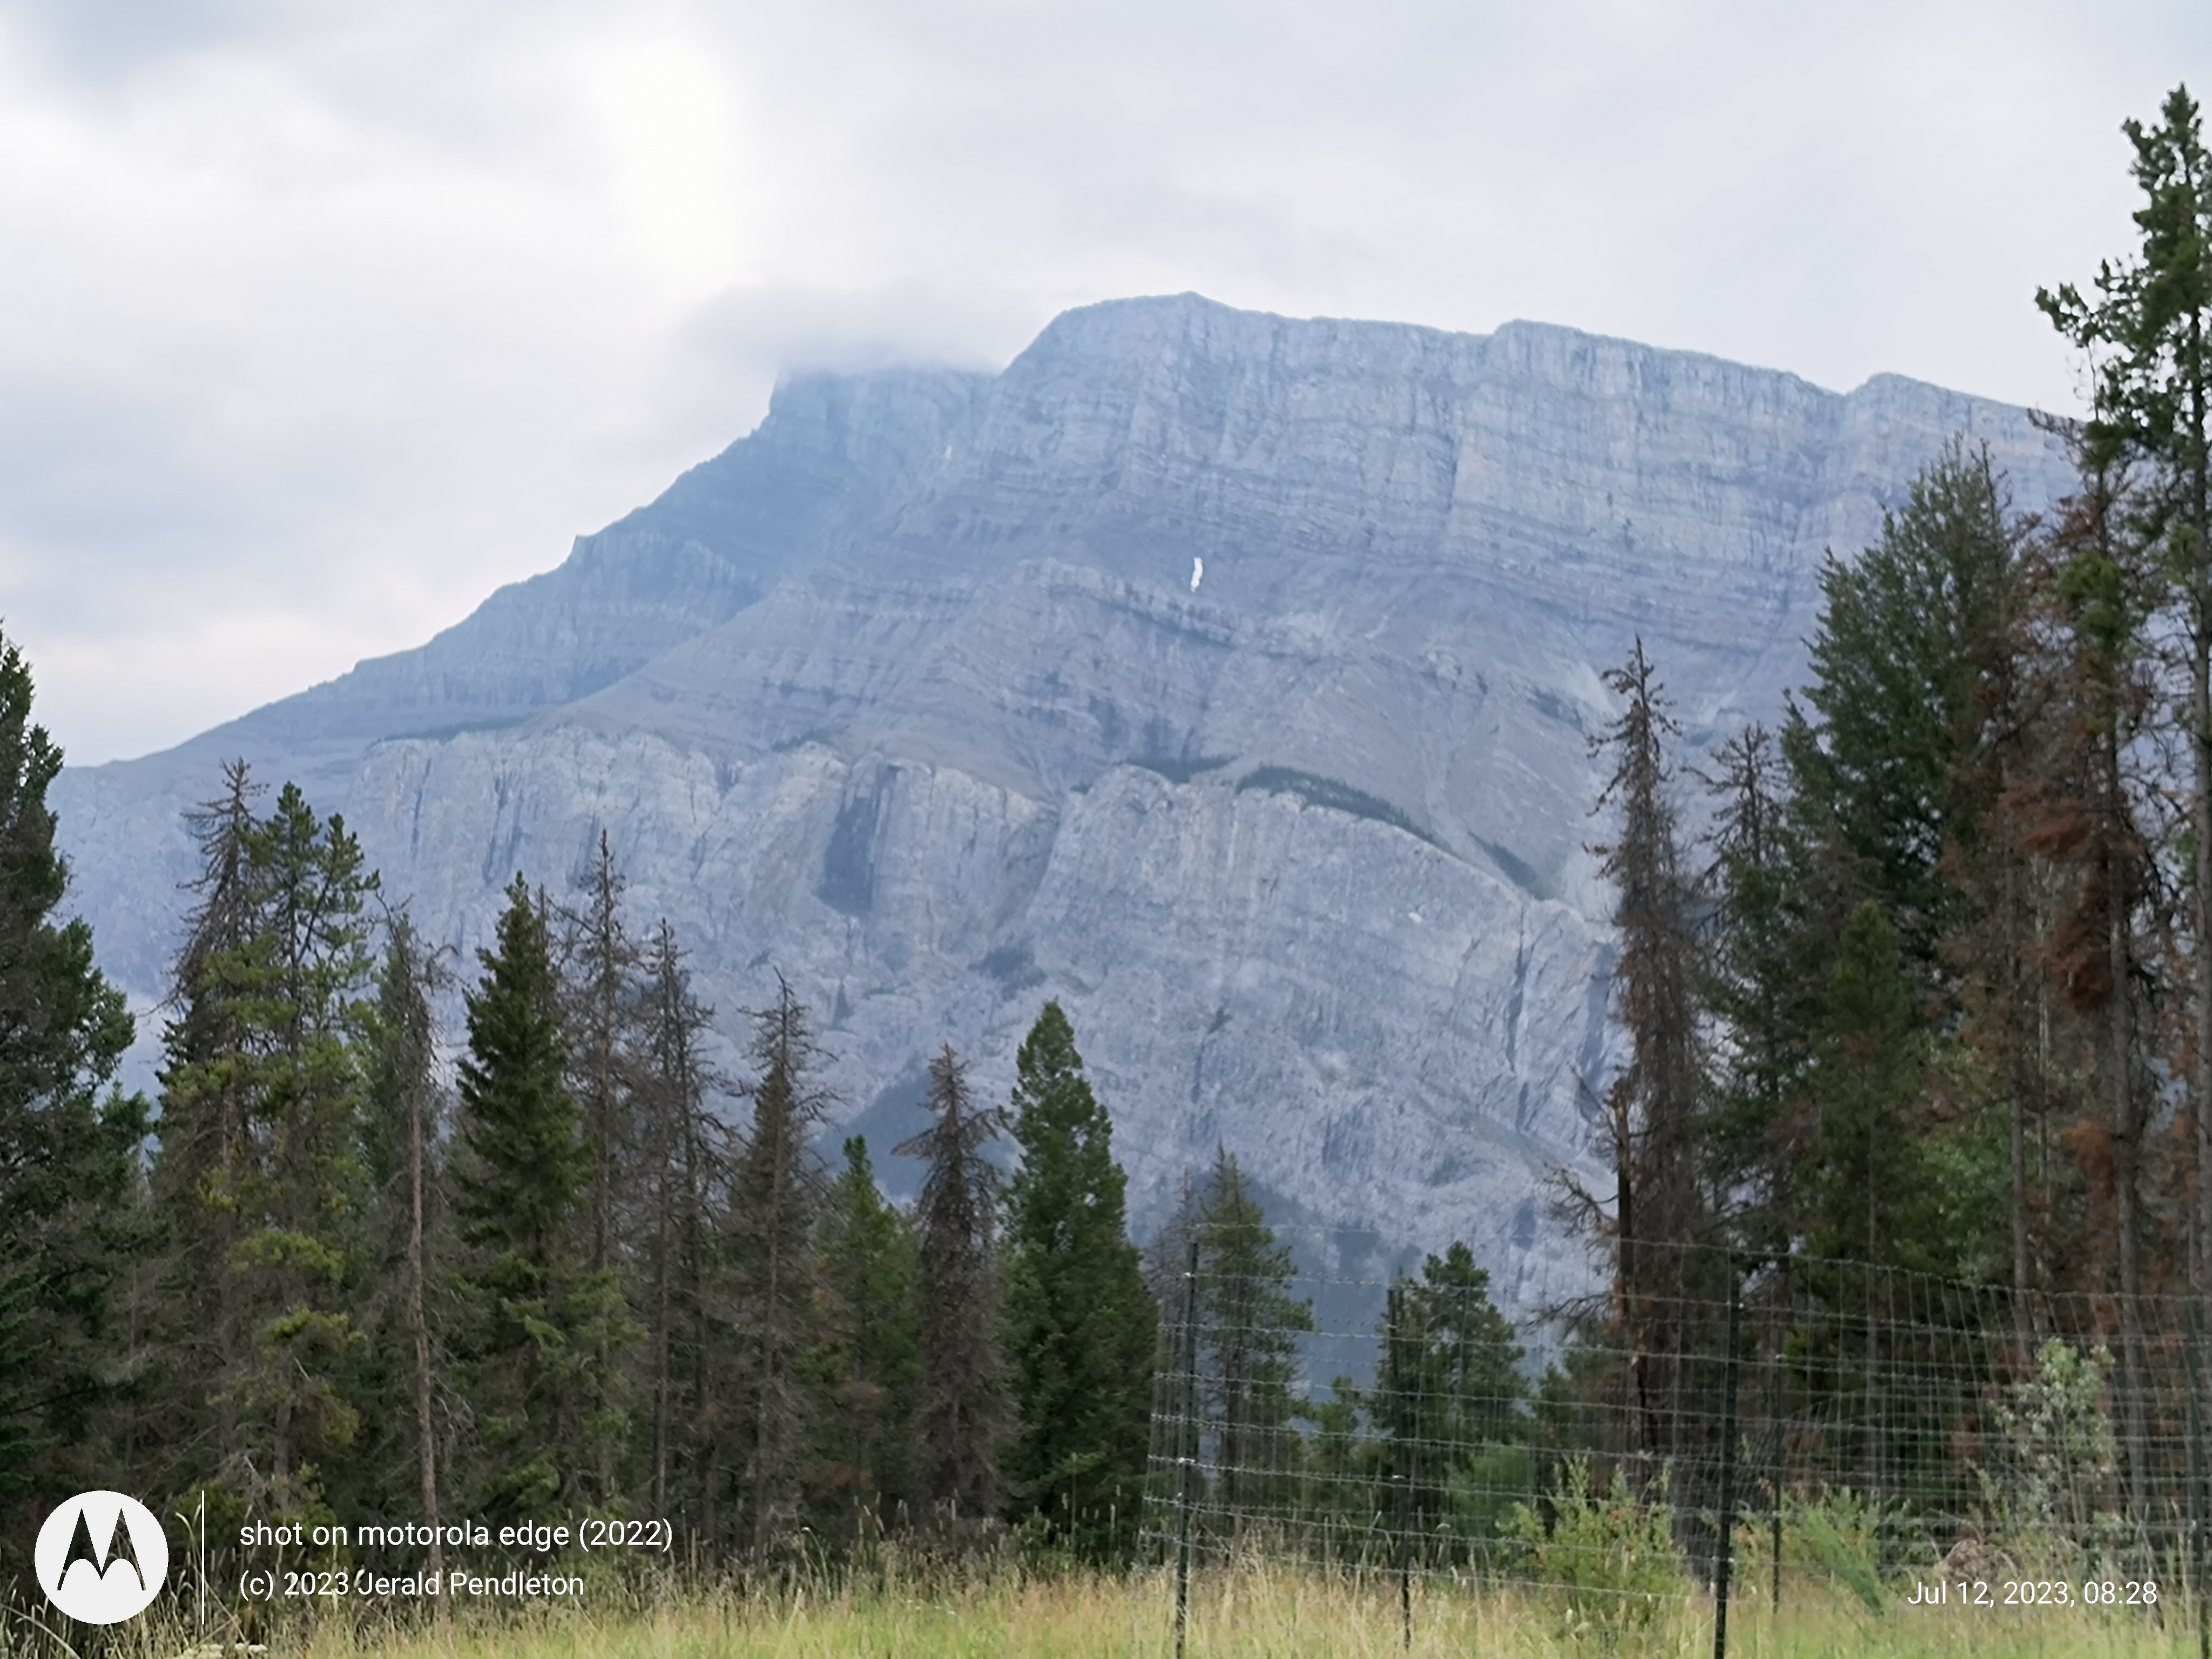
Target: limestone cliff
[(908, 696)]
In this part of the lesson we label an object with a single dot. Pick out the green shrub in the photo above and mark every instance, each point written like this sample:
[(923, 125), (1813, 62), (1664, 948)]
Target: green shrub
[(1610, 1557), (2050, 1500), (1834, 1539), (1840, 1534), (1494, 1487)]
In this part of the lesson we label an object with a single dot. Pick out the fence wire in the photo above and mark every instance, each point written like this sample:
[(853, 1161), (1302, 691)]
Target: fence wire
[(1719, 1431)]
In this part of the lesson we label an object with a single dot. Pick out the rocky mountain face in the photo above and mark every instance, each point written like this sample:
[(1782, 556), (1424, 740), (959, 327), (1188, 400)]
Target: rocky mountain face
[(917, 696)]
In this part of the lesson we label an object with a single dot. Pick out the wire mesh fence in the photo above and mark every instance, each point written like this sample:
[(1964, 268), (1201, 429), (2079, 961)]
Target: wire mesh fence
[(1774, 1439)]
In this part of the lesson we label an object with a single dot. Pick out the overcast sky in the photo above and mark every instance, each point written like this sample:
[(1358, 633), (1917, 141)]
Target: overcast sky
[(318, 321)]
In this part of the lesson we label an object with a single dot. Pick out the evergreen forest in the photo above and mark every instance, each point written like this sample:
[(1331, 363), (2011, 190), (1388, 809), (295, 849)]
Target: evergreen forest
[(1914, 980)]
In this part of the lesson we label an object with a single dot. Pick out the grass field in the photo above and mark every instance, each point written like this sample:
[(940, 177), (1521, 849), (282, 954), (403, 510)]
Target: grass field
[(1251, 1614)]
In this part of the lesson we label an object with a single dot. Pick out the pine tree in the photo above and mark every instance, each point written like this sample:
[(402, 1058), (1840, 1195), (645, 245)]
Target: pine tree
[(1900, 762), (602, 962), (260, 1171), (2148, 335), (1873, 1055), (1867, 1191), (1447, 1388), (1081, 1326), (599, 963), (206, 1150), (69, 1229), (2083, 814), (405, 1155), (308, 1251), (1247, 1340), (1345, 1483), (539, 1318), (1882, 773), (873, 1357), (963, 1415), (684, 1171), (1656, 1109), (774, 1202), (1766, 1003)]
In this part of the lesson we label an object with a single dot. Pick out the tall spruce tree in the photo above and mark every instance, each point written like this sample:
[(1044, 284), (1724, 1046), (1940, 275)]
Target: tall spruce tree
[(1898, 774), (599, 964), (260, 1175), (1884, 781), (1656, 1109), (1246, 1344), (1868, 1196), (683, 1175), (404, 1311), (2148, 336), (1081, 1326), (539, 1321), (1766, 1003), (69, 1230), (310, 1249), (1448, 1387), (775, 1204), (872, 1357), (2102, 948), (205, 1152), (964, 1414), (602, 962), (1868, 1183)]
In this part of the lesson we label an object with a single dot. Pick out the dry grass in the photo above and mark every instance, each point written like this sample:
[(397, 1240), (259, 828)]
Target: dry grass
[(1251, 1614)]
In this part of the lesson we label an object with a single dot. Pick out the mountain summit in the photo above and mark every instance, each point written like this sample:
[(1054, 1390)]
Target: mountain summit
[(915, 695)]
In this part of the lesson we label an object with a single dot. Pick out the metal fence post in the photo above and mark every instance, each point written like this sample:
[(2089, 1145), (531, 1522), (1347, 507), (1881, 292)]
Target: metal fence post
[(1403, 1424), (1723, 1558), (1777, 1411), (2198, 1506), (1186, 1443), (1405, 1563)]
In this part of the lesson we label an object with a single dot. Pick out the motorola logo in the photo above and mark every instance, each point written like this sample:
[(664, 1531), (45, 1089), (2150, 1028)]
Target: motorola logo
[(101, 1557)]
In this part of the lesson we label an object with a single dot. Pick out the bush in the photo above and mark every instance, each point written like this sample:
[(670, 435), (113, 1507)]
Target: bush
[(1487, 1495), (1609, 1557), (2051, 1500), (1836, 1536)]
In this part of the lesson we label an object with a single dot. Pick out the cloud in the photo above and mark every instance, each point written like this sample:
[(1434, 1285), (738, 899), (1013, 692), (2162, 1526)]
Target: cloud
[(319, 321)]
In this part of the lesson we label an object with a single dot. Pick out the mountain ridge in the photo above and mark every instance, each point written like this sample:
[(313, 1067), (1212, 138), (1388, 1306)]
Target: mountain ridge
[(912, 678)]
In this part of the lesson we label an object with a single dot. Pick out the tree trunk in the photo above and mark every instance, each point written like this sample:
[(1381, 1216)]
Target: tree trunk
[(2200, 801), (660, 1345), (2017, 1043), (418, 1326), (2200, 804), (1874, 1426), (2127, 1165), (1627, 1290), (701, 1447)]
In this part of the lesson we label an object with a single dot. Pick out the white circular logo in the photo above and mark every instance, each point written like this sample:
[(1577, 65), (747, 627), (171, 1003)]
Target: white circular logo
[(101, 1557)]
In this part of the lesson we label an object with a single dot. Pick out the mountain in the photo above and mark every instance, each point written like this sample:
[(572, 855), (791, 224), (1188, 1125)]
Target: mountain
[(914, 696)]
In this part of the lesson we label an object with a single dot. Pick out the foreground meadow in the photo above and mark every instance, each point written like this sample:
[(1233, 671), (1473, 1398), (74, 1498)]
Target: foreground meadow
[(1249, 1614)]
